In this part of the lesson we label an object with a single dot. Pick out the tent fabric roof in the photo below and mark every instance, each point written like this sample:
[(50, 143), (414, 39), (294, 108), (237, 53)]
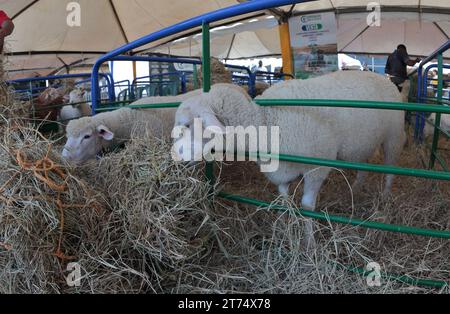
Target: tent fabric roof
[(41, 26)]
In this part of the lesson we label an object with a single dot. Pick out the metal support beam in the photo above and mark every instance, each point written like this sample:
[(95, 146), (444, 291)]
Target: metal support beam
[(286, 50)]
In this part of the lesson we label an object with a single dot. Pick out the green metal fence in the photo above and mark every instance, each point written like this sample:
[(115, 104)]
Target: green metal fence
[(430, 174)]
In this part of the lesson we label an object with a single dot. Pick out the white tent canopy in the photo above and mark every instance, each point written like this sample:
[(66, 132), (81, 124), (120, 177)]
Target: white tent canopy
[(41, 28)]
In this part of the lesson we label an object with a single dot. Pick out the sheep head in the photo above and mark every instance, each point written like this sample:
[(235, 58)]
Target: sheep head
[(193, 117), (85, 140), (77, 96)]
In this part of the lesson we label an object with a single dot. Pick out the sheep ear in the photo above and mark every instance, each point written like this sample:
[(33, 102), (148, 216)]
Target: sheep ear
[(105, 133), (211, 121)]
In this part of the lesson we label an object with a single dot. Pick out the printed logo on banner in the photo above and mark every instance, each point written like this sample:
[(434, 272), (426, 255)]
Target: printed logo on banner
[(314, 43)]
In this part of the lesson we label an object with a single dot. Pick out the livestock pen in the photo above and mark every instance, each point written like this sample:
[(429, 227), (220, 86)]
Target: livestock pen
[(204, 21), (33, 91), (421, 96), (173, 83)]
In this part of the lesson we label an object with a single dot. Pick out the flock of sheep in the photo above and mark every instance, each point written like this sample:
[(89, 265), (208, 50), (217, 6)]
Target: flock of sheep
[(348, 134), (47, 105)]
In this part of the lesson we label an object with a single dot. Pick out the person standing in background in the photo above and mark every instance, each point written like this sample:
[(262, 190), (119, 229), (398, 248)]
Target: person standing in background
[(6, 28), (259, 68), (396, 66)]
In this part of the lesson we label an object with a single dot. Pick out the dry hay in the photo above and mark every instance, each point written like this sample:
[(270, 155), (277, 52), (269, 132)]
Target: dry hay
[(414, 202), (123, 244), (128, 221), (219, 73), (260, 88), (137, 222)]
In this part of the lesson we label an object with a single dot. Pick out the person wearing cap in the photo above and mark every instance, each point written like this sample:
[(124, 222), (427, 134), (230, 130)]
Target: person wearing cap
[(396, 66), (6, 28)]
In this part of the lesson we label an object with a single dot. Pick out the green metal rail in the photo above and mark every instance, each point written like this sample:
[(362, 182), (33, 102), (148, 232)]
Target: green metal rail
[(437, 132), (353, 104), (340, 219), (358, 223), (429, 174), (439, 175), (206, 66), (143, 106), (341, 164)]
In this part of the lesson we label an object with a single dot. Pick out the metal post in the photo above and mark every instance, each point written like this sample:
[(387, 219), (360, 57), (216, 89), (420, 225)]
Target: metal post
[(209, 171), (206, 58), (437, 132), (183, 83), (417, 129), (252, 84), (286, 51)]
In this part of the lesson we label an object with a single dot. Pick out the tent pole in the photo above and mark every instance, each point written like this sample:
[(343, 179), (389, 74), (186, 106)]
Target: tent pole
[(286, 50), (134, 70)]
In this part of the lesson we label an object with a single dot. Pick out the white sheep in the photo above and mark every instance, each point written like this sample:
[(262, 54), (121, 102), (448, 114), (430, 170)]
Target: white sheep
[(77, 108), (330, 133), (429, 128), (445, 124), (88, 136)]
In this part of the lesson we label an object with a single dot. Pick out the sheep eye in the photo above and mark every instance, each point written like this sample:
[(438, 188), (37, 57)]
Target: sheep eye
[(86, 137)]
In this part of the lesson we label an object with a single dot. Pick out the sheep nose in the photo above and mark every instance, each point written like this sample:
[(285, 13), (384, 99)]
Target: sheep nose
[(66, 153)]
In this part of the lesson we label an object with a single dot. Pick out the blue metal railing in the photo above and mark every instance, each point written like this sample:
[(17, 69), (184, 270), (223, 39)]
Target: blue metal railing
[(193, 61), (119, 85), (151, 59), (108, 77), (229, 12), (426, 79), (164, 80), (421, 93)]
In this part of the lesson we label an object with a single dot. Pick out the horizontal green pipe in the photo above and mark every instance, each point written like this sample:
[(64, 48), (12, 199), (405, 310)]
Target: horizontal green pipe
[(324, 103), (359, 223), (401, 278), (432, 99), (429, 174), (340, 219), (143, 106), (353, 104)]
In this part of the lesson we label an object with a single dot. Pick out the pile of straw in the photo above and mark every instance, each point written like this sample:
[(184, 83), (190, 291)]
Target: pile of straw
[(219, 73), (138, 222)]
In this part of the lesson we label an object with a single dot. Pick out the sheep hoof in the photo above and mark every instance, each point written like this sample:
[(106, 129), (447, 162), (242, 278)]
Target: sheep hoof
[(308, 207), (310, 246), (386, 194)]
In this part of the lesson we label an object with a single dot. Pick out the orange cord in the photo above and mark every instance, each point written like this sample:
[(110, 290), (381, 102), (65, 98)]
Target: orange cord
[(41, 170)]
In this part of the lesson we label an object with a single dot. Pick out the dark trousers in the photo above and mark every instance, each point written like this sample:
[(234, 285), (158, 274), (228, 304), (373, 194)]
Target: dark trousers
[(398, 81)]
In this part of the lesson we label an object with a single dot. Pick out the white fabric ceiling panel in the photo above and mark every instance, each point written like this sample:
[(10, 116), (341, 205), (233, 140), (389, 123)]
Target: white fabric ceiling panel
[(15, 6), (108, 24)]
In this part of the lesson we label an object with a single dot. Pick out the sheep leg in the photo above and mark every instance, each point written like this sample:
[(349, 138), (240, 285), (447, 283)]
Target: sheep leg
[(388, 185), (283, 189), (392, 150), (360, 178), (313, 183)]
